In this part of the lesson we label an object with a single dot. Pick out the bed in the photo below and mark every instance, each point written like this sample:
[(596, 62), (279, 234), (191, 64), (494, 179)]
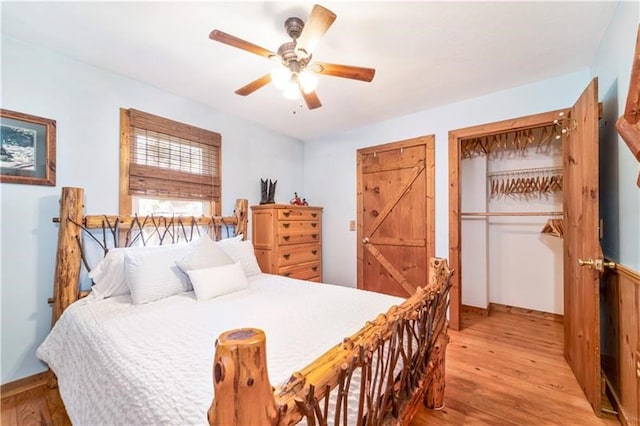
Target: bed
[(335, 355)]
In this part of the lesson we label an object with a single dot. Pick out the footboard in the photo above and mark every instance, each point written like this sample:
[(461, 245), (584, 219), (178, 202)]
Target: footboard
[(379, 375)]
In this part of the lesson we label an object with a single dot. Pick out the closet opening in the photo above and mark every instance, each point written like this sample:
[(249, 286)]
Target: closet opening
[(503, 181), (511, 222)]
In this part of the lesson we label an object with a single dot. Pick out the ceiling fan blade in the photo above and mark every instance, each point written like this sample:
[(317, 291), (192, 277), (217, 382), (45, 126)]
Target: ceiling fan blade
[(344, 71), (311, 99), (254, 85), (234, 41), (319, 21)]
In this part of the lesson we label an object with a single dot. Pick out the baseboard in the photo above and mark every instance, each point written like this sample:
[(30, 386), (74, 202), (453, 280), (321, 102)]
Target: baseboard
[(22, 385), (484, 312), (497, 307)]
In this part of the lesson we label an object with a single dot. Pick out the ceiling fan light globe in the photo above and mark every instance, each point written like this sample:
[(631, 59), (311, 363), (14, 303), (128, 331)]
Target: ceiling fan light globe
[(291, 91), (280, 77), (308, 81)]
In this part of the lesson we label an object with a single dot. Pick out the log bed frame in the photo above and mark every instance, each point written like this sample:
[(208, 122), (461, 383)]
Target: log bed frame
[(399, 356)]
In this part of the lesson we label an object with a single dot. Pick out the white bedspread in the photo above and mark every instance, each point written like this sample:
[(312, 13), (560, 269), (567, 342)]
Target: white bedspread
[(119, 363)]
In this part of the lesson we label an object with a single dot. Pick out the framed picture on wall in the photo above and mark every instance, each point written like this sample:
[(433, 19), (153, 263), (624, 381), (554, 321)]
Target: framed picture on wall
[(28, 150)]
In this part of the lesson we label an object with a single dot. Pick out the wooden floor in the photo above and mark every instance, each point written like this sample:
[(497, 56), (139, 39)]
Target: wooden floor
[(506, 369)]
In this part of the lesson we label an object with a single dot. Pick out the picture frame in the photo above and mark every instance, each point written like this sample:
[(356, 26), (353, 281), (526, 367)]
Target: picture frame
[(28, 149)]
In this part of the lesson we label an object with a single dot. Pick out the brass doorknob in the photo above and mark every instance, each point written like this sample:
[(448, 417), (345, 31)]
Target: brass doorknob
[(365, 240), (597, 264)]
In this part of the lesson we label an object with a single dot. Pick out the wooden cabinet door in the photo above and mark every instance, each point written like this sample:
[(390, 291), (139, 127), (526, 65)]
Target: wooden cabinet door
[(396, 215), (581, 241)]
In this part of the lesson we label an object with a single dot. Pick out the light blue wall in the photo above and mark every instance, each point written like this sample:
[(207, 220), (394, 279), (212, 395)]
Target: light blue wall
[(85, 103), (620, 196), (330, 162)]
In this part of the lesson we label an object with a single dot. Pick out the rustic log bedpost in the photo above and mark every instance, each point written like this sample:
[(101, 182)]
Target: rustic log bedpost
[(241, 211), (66, 277), (243, 394), (434, 395), (68, 253), (628, 125)]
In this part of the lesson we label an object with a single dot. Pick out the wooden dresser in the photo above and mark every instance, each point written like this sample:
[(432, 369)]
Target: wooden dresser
[(288, 240)]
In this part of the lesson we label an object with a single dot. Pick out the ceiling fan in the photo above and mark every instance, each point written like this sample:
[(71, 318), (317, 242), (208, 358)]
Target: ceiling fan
[(297, 74)]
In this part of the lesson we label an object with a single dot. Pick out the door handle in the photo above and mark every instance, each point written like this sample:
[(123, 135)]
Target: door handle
[(598, 264), (365, 240)]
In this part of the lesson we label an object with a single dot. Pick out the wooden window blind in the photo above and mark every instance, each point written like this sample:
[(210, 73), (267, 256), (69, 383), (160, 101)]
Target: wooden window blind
[(170, 159)]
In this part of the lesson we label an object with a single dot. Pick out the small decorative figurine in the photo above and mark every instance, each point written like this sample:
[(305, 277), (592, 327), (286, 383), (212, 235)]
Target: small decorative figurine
[(296, 201), (304, 202)]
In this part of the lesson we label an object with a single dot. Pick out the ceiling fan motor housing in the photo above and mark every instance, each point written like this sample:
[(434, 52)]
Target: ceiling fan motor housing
[(294, 27)]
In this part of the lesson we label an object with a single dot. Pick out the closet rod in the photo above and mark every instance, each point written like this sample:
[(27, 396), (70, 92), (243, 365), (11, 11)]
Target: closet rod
[(486, 214)]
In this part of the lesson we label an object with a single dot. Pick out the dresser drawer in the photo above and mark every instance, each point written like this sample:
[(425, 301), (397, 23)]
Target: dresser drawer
[(298, 226), (298, 214), (296, 254), (307, 271), (298, 238)]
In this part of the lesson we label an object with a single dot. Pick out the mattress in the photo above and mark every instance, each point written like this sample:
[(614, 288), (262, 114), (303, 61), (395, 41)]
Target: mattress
[(119, 363)]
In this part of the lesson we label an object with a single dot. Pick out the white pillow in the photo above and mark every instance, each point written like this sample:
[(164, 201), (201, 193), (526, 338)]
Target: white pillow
[(218, 280), (241, 251), (204, 254), (152, 272), (109, 275)]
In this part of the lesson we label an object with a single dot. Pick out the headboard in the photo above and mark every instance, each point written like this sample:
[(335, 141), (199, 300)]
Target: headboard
[(123, 231)]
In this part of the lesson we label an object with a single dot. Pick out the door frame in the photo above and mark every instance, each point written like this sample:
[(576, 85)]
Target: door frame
[(430, 174), (455, 224)]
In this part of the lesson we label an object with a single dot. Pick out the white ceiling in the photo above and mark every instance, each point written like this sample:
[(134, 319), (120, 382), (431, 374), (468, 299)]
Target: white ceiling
[(425, 53)]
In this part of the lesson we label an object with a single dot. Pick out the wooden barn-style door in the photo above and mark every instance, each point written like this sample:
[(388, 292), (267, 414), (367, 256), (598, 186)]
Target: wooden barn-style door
[(396, 215)]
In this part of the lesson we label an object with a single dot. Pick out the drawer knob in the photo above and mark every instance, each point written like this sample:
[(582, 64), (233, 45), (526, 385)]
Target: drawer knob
[(286, 238), (314, 236), (315, 268), (314, 224), (314, 214), (314, 252), (286, 256), (285, 225), (286, 214)]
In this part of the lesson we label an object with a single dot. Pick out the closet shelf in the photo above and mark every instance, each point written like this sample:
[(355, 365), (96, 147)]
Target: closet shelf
[(534, 170)]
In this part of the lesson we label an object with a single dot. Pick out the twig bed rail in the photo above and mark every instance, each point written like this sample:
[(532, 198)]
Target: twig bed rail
[(398, 359), (379, 375)]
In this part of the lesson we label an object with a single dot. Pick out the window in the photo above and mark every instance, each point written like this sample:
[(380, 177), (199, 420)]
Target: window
[(167, 167)]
